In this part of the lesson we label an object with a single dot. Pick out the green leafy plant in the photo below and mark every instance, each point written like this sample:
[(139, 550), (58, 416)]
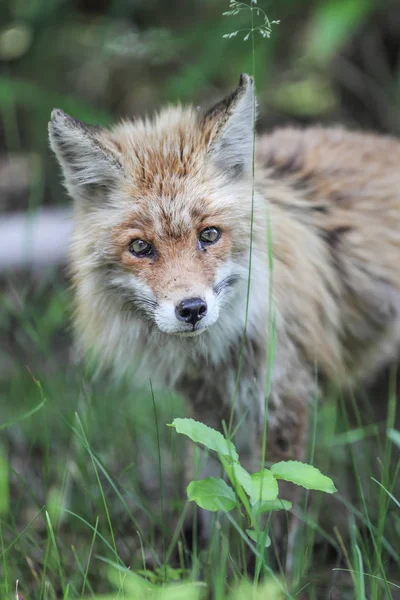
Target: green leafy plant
[(254, 494)]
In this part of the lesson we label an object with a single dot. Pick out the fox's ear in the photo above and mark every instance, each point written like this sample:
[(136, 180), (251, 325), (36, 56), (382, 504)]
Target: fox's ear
[(229, 127), (89, 159)]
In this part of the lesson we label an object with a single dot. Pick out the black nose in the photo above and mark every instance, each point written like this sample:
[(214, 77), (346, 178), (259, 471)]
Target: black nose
[(191, 310)]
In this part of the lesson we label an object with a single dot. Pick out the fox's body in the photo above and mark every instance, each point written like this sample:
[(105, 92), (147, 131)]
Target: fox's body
[(325, 204)]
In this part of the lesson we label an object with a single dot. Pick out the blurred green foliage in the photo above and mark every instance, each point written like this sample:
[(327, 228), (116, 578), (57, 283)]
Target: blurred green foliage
[(103, 59), (331, 60)]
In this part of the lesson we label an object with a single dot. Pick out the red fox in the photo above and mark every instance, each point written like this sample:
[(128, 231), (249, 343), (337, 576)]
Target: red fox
[(186, 242)]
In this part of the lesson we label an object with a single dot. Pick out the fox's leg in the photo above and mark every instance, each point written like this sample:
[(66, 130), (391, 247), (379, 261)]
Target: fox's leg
[(199, 465), (287, 428), (213, 401), (206, 405)]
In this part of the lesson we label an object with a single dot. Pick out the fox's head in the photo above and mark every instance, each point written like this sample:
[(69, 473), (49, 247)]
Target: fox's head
[(163, 213)]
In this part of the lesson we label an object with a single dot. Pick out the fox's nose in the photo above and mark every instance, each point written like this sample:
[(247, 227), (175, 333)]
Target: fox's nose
[(191, 310)]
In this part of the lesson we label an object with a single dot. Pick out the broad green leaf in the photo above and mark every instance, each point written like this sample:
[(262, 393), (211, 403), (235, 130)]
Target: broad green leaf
[(54, 503), (254, 536), (202, 434), (270, 589), (238, 474), (176, 591), (303, 474), (181, 591), (271, 505), (212, 494), (264, 487), (394, 435), (135, 587)]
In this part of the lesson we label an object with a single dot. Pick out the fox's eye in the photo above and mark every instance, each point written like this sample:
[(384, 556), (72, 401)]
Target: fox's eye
[(140, 248), (209, 235)]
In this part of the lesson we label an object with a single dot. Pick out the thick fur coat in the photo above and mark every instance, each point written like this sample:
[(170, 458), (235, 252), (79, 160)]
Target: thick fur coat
[(319, 216)]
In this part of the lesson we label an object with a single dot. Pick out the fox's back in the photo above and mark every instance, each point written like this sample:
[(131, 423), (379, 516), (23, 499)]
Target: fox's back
[(348, 183), (342, 189)]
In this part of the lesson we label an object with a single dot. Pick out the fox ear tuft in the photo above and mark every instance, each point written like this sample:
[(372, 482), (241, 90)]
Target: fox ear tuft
[(89, 159), (229, 125)]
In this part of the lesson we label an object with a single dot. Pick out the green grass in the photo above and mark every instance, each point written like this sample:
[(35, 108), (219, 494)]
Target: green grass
[(83, 463)]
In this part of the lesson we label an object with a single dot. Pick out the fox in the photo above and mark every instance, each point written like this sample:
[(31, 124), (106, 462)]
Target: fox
[(250, 273)]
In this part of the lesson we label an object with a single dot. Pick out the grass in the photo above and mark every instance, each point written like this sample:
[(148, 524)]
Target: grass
[(82, 463)]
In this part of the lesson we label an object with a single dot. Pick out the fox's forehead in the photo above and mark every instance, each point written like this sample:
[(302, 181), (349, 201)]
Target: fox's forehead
[(157, 154), (174, 213)]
